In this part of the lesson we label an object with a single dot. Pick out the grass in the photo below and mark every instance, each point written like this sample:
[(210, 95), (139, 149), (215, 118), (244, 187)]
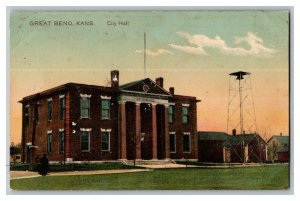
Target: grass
[(245, 178), (75, 167)]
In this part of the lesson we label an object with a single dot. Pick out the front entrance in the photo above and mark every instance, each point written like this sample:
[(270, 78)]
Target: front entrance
[(147, 123)]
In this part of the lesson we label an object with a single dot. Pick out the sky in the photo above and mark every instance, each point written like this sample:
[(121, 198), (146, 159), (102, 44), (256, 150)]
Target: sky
[(194, 51)]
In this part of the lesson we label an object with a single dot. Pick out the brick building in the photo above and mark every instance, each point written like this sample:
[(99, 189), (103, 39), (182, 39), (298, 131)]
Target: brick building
[(137, 120)]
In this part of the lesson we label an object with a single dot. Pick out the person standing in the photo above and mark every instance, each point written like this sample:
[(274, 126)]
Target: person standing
[(44, 165)]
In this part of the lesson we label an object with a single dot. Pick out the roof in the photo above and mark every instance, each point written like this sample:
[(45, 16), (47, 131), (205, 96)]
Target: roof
[(211, 135), (139, 87), (236, 139), (63, 87), (282, 149), (280, 138)]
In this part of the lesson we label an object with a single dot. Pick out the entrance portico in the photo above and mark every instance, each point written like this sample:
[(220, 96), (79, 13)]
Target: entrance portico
[(147, 114)]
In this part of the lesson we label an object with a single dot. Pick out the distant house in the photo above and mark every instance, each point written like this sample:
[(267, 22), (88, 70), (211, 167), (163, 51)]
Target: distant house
[(278, 148), (255, 149), (219, 147), (211, 146)]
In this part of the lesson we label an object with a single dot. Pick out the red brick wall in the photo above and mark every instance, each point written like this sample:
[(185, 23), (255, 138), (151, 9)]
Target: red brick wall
[(95, 122), (178, 127)]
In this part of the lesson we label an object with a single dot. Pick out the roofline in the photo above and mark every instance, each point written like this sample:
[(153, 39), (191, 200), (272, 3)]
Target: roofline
[(59, 88), (139, 92)]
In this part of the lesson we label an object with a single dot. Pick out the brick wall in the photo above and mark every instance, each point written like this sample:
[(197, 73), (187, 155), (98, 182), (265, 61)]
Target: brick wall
[(178, 127)]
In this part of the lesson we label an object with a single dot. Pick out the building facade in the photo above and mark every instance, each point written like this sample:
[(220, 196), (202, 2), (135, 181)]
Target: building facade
[(138, 120), (220, 147), (278, 148)]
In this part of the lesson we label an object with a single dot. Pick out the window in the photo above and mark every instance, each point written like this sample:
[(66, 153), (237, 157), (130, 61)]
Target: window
[(171, 114), (62, 106), (37, 113), (61, 141), (26, 115), (50, 142), (185, 114), (49, 109), (105, 109), (186, 142), (85, 141), (172, 142), (85, 107), (105, 141)]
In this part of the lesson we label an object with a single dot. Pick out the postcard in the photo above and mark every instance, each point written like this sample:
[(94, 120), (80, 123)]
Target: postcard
[(149, 100)]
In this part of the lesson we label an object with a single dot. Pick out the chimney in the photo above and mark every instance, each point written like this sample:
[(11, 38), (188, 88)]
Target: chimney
[(160, 82), (171, 90), (234, 132), (114, 78), (280, 134)]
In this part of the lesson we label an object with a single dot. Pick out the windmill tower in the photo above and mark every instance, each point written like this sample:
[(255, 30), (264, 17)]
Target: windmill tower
[(241, 111)]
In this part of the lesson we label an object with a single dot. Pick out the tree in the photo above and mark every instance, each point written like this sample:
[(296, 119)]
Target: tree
[(14, 150)]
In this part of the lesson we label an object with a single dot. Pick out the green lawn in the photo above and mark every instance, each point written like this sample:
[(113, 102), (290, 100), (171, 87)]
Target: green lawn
[(244, 178)]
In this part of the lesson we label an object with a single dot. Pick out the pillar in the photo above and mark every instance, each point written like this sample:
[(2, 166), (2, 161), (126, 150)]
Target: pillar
[(122, 131), (137, 130), (154, 132), (167, 135)]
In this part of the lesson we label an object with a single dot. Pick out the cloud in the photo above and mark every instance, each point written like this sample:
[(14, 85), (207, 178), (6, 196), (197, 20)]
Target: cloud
[(155, 53), (198, 43)]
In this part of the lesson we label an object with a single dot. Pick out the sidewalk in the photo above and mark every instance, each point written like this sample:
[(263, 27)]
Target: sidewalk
[(28, 174)]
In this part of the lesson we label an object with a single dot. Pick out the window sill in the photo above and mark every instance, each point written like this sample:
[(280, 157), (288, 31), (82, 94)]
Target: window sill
[(85, 151), (105, 119), (185, 152)]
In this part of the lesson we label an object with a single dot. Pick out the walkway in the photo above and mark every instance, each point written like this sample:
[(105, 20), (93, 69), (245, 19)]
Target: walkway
[(29, 174)]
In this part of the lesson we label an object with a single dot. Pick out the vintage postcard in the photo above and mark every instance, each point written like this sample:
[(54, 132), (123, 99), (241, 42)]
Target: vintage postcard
[(149, 100)]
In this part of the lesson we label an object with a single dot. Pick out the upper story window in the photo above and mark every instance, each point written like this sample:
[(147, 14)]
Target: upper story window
[(171, 113), (185, 113), (50, 109), (26, 115), (85, 105), (37, 113), (105, 108), (62, 106)]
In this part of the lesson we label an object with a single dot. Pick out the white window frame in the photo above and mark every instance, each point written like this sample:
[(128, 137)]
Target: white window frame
[(49, 100), (107, 98), (105, 131), (61, 130), (173, 133), (89, 139), (85, 96), (49, 133), (189, 134), (62, 96)]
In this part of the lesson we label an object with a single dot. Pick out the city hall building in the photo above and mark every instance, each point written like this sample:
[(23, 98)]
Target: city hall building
[(138, 120)]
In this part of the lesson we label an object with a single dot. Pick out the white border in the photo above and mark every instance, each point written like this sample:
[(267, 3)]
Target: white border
[(205, 195)]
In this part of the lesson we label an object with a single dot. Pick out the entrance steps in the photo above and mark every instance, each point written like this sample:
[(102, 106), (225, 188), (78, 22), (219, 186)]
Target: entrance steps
[(149, 162)]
